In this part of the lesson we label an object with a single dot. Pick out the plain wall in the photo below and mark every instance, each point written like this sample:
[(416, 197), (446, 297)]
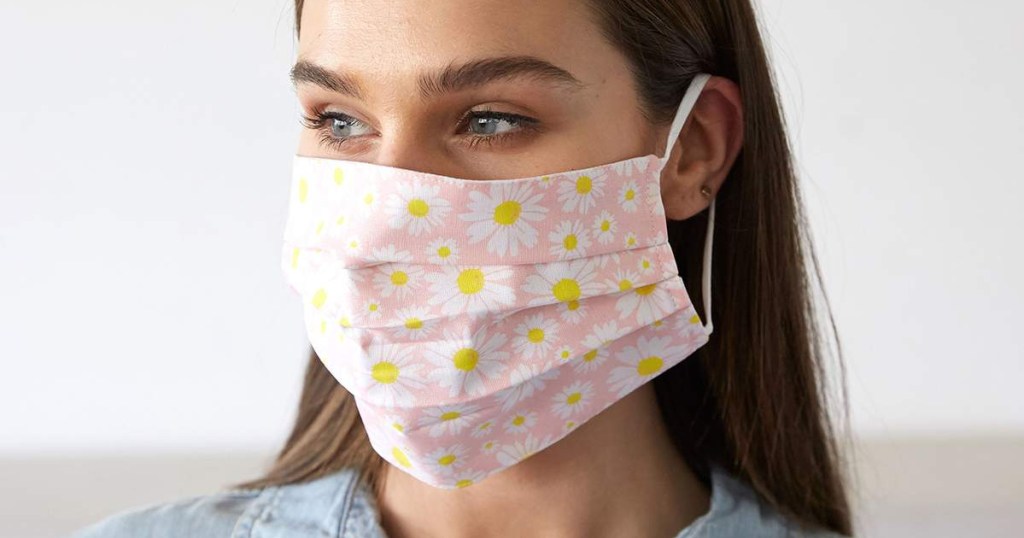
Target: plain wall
[(144, 170)]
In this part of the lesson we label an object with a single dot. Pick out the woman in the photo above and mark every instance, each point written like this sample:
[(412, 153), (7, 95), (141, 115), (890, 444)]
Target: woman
[(735, 441)]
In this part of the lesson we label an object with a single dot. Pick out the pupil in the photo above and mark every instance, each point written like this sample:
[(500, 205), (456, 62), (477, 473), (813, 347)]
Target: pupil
[(338, 125), (487, 124)]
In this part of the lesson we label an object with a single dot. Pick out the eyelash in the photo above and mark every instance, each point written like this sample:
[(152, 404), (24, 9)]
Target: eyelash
[(524, 124)]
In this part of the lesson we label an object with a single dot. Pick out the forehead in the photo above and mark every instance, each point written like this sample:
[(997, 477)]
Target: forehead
[(399, 38)]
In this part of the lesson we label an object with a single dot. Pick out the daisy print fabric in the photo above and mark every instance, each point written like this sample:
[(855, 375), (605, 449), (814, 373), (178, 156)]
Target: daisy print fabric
[(478, 322)]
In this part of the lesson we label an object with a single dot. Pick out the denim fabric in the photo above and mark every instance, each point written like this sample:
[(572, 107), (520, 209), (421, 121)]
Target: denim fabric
[(333, 507)]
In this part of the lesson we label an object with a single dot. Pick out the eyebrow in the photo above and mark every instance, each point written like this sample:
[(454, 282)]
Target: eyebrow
[(451, 78)]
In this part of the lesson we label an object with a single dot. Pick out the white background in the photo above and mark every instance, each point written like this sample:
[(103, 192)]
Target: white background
[(144, 170)]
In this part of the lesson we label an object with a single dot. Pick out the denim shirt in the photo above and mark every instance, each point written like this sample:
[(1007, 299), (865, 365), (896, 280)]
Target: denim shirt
[(334, 506)]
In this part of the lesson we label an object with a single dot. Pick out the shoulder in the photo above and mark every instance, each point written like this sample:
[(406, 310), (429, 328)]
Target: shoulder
[(330, 506), (737, 510), (206, 515)]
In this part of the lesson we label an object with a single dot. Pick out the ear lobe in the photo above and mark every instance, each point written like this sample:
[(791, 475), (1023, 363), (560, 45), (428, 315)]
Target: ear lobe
[(708, 145)]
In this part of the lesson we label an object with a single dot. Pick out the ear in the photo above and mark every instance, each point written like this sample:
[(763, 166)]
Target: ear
[(707, 147)]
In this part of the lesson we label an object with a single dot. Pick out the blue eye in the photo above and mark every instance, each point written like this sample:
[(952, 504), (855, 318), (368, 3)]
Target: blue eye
[(487, 123), (485, 127), (340, 125)]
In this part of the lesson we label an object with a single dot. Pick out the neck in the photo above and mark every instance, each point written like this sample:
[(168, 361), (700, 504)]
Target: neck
[(617, 474)]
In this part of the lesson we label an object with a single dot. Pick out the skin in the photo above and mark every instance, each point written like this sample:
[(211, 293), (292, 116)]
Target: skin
[(618, 474)]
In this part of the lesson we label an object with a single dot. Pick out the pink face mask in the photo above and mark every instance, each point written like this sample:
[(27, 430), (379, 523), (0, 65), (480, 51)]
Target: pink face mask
[(479, 322)]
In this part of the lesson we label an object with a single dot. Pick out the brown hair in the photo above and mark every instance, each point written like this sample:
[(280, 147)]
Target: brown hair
[(755, 399)]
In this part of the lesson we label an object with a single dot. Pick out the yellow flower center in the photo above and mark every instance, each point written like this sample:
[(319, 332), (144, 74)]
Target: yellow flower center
[(649, 365), (566, 290), (507, 213), (570, 242), (401, 457), (646, 290), (583, 185), (319, 297), (471, 281), (466, 358), (418, 208), (385, 372)]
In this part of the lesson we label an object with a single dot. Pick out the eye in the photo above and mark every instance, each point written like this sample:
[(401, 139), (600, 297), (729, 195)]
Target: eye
[(490, 123), (342, 126), (335, 128), (493, 127)]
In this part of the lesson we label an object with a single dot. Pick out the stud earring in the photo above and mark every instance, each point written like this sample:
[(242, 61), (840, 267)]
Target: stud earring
[(705, 190)]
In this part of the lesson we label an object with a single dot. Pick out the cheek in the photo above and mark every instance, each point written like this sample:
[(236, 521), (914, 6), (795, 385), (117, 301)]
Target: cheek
[(308, 143), (599, 140), (311, 145)]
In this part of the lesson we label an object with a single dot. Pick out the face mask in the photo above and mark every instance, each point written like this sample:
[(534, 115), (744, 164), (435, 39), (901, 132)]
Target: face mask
[(477, 322)]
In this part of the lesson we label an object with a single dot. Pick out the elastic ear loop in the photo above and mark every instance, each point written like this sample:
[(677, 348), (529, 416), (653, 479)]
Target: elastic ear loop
[(689, 100), (706, 271)]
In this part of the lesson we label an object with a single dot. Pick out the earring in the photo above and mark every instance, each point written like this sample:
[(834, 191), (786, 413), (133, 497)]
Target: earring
[(705, 190)]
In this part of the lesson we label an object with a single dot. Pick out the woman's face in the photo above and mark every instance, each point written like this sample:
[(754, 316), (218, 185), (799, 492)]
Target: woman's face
[(480, 89)]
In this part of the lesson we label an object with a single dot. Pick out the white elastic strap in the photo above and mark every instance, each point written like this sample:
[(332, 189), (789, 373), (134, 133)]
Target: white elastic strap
[(685, 107), (709, 238), (690, 99)]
